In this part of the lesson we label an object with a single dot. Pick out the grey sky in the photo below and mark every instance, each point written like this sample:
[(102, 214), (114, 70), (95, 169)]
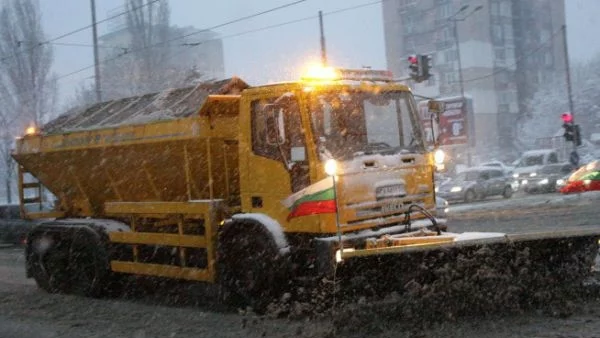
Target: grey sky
[(354, 37)]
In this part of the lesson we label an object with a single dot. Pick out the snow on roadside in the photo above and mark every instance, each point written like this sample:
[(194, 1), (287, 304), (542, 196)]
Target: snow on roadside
[(527, 201)]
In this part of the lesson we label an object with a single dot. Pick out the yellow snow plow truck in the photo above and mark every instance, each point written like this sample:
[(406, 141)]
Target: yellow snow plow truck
[(255, 189)]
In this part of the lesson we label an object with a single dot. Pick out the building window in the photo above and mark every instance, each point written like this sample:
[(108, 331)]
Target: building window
[(444, 11), (548, 59), (497, 33), (505, 9), (495, 9), (500, 54), (451, 78), (450, 55)]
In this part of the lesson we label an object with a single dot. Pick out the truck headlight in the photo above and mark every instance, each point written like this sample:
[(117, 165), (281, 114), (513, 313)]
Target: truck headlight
[(560, 181), (331, 167), (544, 181), (456, 189), (515, 175), (533, 175), (439, 156)]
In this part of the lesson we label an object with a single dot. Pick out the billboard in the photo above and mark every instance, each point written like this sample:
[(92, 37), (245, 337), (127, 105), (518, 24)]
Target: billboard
[(454, 126)]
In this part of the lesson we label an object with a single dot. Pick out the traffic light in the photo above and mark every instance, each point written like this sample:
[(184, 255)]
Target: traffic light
[(413, 65), (425, 65), (419, 66), (569, 131), (577, 135), (572, 132)]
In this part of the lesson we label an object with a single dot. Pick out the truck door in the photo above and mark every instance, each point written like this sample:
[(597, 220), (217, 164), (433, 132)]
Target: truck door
[(279, 148)]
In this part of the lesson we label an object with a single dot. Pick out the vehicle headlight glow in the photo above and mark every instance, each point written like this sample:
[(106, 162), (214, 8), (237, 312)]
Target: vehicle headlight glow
[(439, 156), (544, 181), (524, 182), (515, 175), (437, 189), (331, 167), (31, 130), (456, 189), (560, 181), (533, 175)]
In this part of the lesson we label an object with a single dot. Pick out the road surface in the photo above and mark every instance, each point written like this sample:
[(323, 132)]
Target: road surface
[(26, 311)]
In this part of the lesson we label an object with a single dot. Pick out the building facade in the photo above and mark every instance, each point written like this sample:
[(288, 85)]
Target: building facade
[(507, 48)]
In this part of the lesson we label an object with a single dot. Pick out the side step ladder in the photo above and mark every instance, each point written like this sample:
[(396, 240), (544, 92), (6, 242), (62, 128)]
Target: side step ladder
[(31, 201)]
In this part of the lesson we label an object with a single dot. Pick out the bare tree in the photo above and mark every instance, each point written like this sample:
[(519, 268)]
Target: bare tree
[(148, 63), (27, 87)]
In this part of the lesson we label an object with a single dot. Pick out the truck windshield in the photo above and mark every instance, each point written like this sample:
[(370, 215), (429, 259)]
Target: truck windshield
[(353, 123)]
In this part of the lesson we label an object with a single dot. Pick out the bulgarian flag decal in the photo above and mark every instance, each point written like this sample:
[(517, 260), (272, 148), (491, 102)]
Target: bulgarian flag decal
[(318, 198)]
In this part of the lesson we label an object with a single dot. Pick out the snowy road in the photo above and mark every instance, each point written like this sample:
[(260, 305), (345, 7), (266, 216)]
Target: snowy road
[(26, 311), (528, 213)]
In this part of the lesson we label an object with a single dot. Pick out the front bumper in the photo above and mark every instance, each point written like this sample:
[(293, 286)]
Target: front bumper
[(327, 247)]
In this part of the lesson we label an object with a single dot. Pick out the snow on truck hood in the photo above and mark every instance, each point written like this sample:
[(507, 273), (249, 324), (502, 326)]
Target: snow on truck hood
[(378, 161)]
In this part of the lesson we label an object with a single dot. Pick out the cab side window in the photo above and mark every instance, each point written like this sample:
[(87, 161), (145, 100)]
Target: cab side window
[(260, 131), (277, 129)]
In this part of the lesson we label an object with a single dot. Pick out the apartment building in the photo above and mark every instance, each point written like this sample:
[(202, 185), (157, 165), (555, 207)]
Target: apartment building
[(506, 48)]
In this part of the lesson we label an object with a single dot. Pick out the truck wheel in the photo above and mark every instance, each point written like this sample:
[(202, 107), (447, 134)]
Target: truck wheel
[(250, 266), (48, 262), (507, 192), (470, 196), (76, 265), (88, 265)]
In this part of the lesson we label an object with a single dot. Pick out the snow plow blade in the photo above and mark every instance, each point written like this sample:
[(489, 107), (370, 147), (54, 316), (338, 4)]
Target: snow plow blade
[(471, 273)]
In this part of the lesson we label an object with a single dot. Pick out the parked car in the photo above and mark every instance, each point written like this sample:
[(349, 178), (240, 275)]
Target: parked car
[(586, 178), (13, 229), (545, 179), (476, 183)]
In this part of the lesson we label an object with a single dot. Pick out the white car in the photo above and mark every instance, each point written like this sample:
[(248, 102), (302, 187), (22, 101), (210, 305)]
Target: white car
[(497, 164)]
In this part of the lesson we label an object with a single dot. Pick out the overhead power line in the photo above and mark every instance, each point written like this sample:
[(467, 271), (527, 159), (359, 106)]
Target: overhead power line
[(41, 43), (166, 41)]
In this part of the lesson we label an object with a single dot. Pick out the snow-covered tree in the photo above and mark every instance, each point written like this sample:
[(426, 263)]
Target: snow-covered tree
[(28, 89), (149, 61), (551, 100)]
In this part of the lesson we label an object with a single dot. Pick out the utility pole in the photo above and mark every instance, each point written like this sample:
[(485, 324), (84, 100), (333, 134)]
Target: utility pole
[(454, 22), (573, 157), (96, 61), (460, 74), (323, 52), (568, 71)]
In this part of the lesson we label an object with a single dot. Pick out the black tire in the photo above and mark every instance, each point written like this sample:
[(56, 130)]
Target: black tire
[(470, 196), (507, 193), (48, 263), (75, 264), (250, 266), (88, 265)]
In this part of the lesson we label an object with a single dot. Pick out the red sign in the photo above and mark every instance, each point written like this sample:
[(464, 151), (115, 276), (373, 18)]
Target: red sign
[(452, 128)]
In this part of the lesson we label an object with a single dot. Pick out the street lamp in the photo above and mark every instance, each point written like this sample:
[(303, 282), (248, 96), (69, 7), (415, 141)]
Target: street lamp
[(454, 20)]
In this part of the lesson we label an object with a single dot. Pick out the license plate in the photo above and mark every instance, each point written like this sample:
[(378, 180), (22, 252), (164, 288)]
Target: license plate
[(390, 190), (392, 207)]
